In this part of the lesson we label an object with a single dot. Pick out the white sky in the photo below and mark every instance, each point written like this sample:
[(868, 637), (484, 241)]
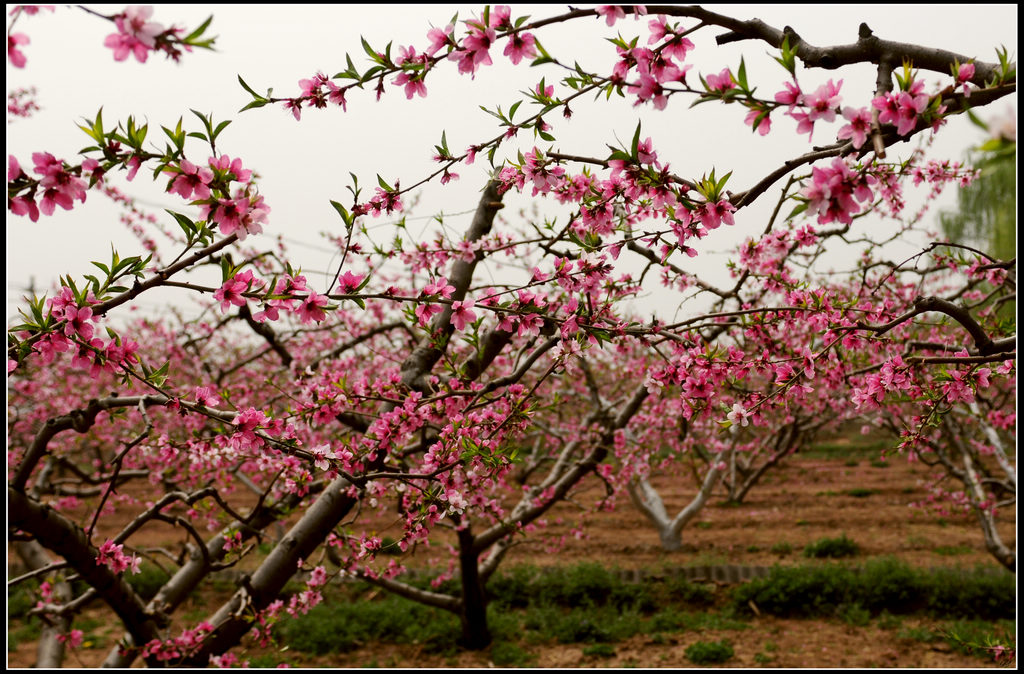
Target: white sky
[(305, 164)]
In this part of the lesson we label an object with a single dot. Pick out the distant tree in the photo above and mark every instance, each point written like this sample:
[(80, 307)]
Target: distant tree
[(986, 212)]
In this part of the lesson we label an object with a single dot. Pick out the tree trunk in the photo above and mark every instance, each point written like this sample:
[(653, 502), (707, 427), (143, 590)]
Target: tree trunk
[(476, 634)]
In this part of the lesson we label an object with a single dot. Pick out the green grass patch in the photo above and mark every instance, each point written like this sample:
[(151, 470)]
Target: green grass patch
[(861, 492), (600, 651), (507, 654), (709, 652)]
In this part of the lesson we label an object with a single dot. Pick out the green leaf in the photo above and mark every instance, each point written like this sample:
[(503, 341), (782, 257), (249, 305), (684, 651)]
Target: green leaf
[(160, 376), (369, 50), (220, 127), (247, 87), (797, 211), (198, 31)]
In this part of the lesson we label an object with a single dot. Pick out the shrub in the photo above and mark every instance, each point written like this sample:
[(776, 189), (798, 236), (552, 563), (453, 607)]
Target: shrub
[(709, 652), (669, 620), (855, 615), (796, 591), (986, 594), (782, 548), (148, 581), (889, 584), (338, 627), (880, 585), (20, 600), (688, 592), (513, 588), (587, 584), (833, 548)]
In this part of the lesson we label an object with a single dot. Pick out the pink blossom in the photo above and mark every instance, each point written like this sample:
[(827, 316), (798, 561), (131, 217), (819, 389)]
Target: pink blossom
[(645, 152), (791, 95), (439, 38), (336, 95), (611, 13), (721, 82), (824, 101), (133, 164), (520, 46), (424, 312), (318, 577), (112, 555), (72, 639), (136, 34), (500, 17), (902, 108), (713, 214), (77, 322), (764, 126), (25, 206), (14, 54), (474, 52), (226, 164), (675, 47), (321, 456), (349, 283), (205, 395), (440, 286), (191, 180), (13, 168), (230, 293), (462, 313), (312, 308), (858, 128), (536, 168), (964, 75)]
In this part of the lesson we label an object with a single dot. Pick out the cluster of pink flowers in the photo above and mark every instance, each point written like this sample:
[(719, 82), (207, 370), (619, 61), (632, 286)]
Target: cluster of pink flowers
[(317, 92), (902, 108), (112, 555), (92, 353), (806, 109), (178, 647), (60, 187), (859, 126), (835, 191), (190, 181), (14, 40), (655, 67), (308, 305), (72, 639), (21, 102), (382, 201), (412, 79), (136, 34)]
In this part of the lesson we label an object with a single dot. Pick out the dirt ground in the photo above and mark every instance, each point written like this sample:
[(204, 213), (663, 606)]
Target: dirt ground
[(803, 501)]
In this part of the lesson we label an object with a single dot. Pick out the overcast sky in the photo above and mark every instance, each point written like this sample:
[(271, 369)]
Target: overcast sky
[(305, 164)]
